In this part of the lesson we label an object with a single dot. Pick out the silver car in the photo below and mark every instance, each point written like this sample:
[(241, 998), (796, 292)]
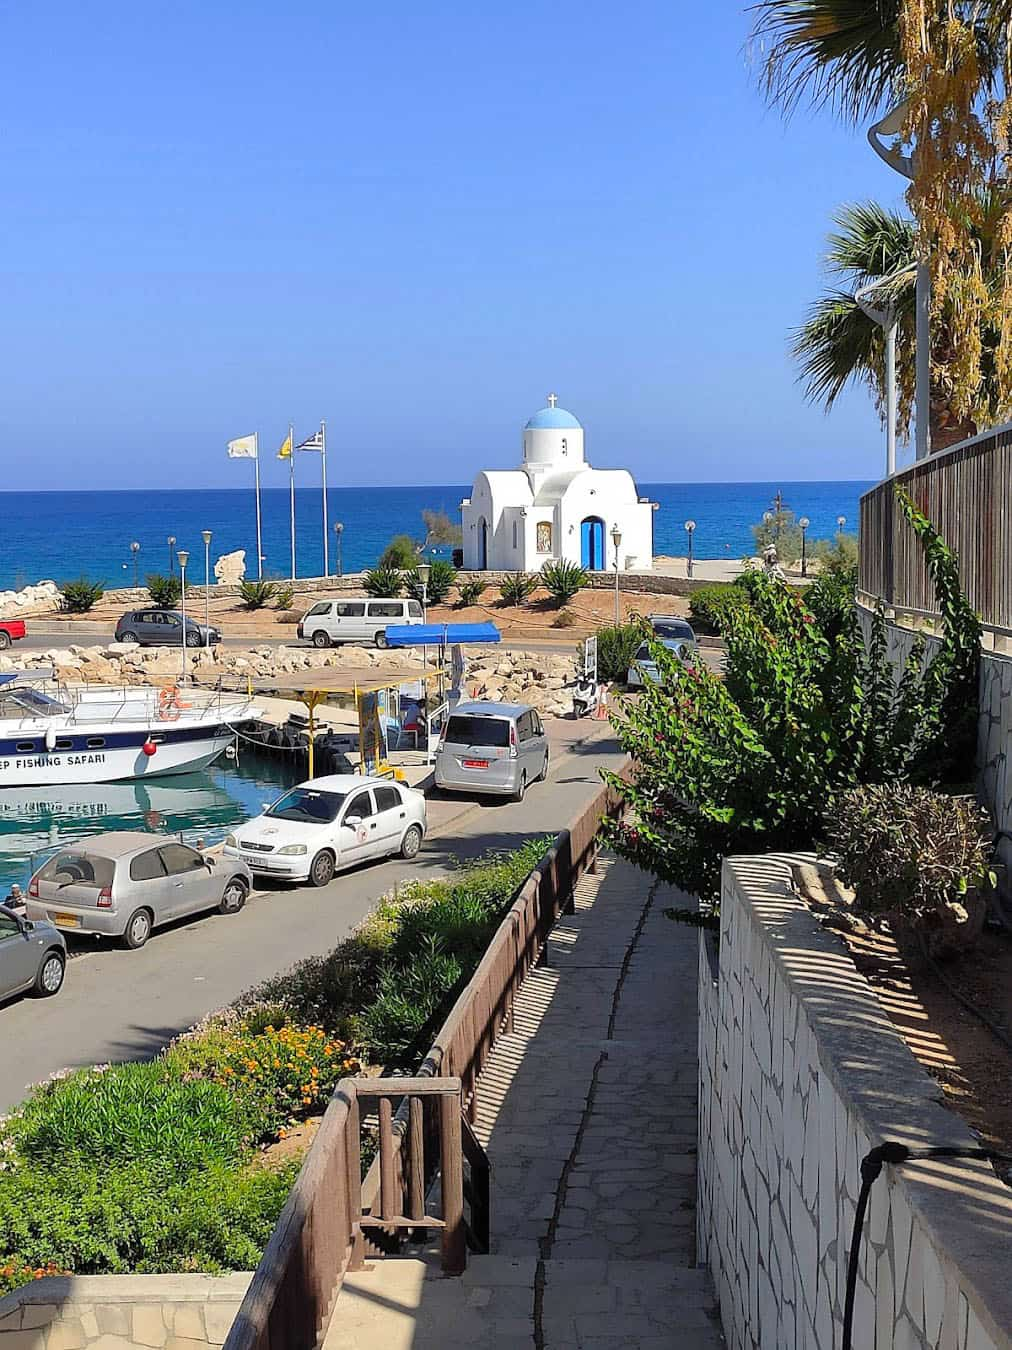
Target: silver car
[(498, 748), (127, 883), (33, 956), (644, 668)]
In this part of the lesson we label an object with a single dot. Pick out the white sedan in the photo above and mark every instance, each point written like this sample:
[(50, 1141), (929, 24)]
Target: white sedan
[(644, 668), (328, 824)]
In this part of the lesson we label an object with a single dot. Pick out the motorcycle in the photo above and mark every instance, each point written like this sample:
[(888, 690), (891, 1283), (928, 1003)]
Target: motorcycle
[(586, 697)]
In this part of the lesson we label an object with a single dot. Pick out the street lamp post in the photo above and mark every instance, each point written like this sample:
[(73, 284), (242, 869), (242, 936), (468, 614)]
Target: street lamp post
[(171, 541), (690, 529), (840, 522), (423, 576), (206, 536), (184, 558), (616, 539), (804, 523), (339, 530), (135, 548)]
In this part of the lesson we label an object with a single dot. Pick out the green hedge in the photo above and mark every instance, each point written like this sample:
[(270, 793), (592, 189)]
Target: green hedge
[(709, 604), (158, 1166)]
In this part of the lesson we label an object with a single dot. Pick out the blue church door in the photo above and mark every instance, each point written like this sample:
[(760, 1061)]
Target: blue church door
[(592, 541)]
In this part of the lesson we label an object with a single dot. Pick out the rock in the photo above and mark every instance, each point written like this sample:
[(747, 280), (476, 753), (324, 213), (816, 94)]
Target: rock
[(230, 568)]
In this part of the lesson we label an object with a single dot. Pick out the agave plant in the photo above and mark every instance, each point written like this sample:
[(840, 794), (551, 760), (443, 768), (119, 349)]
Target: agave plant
[(383, 583), (562, 580)]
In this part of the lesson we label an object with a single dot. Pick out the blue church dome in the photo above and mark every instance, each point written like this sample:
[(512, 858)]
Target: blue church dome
[(553, 419)]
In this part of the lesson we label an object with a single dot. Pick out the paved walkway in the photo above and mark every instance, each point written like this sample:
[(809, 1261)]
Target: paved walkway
[(588, 1113)]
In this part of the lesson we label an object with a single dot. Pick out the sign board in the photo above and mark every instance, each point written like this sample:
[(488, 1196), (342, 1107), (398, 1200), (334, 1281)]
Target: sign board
[(372, 742), (590, 660)]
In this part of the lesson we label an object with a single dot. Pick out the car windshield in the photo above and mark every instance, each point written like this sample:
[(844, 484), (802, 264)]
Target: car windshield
[(78, 869), (672, 628), (464, 730), (307, 805)]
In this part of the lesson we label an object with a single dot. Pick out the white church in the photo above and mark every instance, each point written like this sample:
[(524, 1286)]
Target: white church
[(556, 506)]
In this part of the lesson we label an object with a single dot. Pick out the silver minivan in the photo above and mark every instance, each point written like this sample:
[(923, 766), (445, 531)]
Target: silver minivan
[(498, 748), (356, 620), (126, 883)]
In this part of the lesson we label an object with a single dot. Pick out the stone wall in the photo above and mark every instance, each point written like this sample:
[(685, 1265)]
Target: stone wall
[(121, 1312), (801, 1073), (994, 732)]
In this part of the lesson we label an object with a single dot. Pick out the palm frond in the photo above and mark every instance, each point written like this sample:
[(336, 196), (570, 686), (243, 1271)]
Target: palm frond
[(844, 54), (836, 344), (870, 241)]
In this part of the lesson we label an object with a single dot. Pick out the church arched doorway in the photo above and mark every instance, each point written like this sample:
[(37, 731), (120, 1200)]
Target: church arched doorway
[(592, 544), (482, 545)]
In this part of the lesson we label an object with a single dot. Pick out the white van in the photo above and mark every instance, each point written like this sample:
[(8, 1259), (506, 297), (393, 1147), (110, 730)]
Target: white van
[(356, 620)]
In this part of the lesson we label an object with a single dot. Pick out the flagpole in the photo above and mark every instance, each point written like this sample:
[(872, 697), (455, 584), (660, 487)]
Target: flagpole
[(291, 471), (256, 462), (323, 456)]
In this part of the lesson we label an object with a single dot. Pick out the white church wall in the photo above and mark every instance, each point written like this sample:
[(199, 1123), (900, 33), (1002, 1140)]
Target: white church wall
[(552, 446)]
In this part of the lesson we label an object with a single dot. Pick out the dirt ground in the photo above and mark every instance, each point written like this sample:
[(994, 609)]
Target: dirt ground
[(972, 1065), (536, 618)]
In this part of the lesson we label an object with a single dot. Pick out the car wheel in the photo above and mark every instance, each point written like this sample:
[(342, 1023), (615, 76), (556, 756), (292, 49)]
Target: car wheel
[(49, 980), (544, 769), (411, 842), (5, 640), (127, 636), (138, 929), (381, 641), (233, 898), (521, 791), (322, 869), (321, 640), (193, 639)]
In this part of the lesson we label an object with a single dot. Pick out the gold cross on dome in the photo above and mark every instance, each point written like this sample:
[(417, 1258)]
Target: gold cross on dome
[(552, 400)]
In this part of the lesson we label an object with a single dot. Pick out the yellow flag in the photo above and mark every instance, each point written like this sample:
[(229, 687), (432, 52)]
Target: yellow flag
[(286, 448)]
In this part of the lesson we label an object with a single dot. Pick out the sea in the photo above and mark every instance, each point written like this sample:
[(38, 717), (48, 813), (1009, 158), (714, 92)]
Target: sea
[(61, 536)]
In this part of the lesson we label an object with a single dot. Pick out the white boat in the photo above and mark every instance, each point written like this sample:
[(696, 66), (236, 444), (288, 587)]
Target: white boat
[(51, 733)]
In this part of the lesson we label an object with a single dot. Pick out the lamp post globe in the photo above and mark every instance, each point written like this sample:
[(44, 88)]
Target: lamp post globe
[(803, 525), (840, 522), (339, 531)]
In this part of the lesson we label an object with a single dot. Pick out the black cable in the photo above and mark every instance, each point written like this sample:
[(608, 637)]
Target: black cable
[(871, 1168)]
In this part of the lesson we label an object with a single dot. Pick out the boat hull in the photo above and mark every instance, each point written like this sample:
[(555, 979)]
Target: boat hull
[(119, 757)]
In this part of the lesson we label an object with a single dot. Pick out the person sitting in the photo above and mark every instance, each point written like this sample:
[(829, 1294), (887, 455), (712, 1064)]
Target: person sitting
[(15, 901)]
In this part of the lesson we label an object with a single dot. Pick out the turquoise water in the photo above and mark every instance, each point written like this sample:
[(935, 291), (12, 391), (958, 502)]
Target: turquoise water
[(60, 535), (205, 805)]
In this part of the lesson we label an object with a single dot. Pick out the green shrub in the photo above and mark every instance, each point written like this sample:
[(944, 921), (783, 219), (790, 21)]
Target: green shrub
[(908, 851), (710, 605), (383, 583), (616, 648), (164, 591), (78, 597), (442, 575), (517, 587), (838, 556), (471, 592), (564, 619), (257, 594), (401, 553), (563, 579), (753, 762), (284, 596)]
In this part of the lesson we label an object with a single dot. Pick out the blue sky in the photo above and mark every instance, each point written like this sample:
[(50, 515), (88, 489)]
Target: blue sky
[(413, 221)]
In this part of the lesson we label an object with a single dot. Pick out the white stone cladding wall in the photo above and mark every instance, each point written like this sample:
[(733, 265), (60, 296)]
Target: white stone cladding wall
[(801, 1073), (994, 730)]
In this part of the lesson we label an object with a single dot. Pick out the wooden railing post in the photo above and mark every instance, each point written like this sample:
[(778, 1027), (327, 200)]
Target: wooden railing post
[(353, 1135), (452, 1181)]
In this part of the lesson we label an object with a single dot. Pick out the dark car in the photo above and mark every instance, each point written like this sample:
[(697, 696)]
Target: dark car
[(163, 628)]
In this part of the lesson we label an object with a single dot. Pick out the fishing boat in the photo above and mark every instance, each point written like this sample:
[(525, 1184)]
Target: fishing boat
[(55, 733)]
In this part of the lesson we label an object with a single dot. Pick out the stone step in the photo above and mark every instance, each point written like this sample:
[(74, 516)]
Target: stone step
[(404, 1303)]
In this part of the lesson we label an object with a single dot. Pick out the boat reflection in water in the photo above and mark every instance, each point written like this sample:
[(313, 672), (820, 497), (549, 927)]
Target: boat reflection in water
[(204, 805)]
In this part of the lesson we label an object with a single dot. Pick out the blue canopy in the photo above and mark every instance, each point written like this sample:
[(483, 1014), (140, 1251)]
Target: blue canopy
[(441, 634)]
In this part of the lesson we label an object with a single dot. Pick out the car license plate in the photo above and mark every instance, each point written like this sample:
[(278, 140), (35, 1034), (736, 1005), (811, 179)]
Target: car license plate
[(251, 860), (475, 763), (66, 921)]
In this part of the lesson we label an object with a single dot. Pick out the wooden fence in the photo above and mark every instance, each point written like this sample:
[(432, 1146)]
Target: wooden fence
[(321, 1232), (966, 493)]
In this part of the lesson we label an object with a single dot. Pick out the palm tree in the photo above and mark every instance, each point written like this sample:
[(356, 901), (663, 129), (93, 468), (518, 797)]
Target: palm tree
[(838, 344), (844, 53)]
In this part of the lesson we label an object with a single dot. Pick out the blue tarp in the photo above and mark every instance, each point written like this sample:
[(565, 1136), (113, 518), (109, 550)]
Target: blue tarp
[(441, 634)]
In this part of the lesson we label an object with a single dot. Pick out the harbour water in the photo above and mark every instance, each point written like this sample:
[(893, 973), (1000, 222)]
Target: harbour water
[(36, 820), (61, 535)]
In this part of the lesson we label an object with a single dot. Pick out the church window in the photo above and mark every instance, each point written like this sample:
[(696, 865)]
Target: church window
[(544, 536), (563, 445)]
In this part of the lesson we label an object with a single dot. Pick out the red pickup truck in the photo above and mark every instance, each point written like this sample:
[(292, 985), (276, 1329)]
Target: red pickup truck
[(11, 630)]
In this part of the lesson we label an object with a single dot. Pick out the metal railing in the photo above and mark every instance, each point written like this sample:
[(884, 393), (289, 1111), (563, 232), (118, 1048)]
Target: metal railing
[(965, 493), (322, 1230)]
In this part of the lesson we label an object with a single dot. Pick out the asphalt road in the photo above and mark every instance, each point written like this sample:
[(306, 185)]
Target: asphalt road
[(120, 1005)]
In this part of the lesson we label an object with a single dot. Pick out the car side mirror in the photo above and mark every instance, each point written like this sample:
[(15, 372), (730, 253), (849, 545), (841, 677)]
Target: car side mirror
[(210, 862), (352, 821)]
